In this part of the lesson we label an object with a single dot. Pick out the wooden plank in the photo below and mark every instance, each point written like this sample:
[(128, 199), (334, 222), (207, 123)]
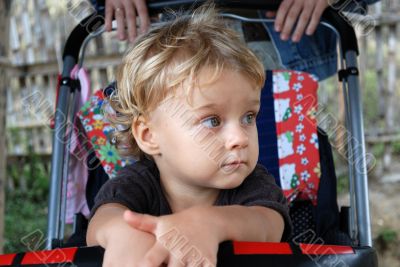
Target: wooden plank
[(379, 58), (26, 24), (390, 93), (382, 139), (14, 41), (363, 58), (98, 62), (4, 44)]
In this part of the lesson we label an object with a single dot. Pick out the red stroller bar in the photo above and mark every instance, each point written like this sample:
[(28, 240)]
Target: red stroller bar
[(230, 254)]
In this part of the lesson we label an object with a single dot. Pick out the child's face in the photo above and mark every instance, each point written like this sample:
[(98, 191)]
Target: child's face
[(211, 142)]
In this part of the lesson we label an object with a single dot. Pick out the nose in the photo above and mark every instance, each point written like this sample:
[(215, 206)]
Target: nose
[(236, 137)]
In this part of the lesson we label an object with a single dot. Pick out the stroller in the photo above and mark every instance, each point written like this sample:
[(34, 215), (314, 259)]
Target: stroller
[(350, 244)]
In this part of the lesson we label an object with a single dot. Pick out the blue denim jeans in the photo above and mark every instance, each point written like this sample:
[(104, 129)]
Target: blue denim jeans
[(314, 54)]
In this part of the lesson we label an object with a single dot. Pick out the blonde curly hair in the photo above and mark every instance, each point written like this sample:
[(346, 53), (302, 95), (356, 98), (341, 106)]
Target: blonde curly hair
[(166, 57)]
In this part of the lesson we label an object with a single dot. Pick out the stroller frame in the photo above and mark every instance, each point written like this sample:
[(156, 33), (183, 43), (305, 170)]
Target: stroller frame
[(360, 229)]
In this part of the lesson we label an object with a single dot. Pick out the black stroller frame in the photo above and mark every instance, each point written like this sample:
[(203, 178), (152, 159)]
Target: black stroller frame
[(360, 230)]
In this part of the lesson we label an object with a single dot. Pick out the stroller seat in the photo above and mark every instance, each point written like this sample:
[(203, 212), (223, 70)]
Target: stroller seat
[(287, 129), (313, 209)]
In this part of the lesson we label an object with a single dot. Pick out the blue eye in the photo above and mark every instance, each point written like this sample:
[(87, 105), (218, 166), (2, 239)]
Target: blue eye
[(249, 118), (211, 122)]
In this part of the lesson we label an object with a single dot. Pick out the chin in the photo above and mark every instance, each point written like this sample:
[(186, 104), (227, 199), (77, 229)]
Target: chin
[(233, 181)]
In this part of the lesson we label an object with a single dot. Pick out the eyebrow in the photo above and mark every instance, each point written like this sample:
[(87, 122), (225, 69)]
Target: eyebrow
[(213, 105)]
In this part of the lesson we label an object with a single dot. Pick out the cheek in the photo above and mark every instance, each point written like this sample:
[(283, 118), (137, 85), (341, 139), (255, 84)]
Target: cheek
[(254, 141), (253, 135), (205, 146)]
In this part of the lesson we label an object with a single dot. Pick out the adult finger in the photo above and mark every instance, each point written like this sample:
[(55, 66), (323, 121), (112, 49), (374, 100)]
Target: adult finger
[(155, 256), (109, 15), (316, 16), (281, 14), (302, 22), (130, 13), (143, 14), (291, 19), (270, 14), (141, 222), (119, 15)]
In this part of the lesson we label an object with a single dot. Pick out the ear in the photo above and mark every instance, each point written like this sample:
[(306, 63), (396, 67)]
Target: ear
[(144, 136)]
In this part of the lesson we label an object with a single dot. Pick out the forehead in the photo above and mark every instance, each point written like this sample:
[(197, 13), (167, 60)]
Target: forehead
[(227, 86), (231, 94), (228, 89)]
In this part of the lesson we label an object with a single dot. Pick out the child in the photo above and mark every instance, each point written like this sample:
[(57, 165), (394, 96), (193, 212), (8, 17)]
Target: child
[(187, 98)]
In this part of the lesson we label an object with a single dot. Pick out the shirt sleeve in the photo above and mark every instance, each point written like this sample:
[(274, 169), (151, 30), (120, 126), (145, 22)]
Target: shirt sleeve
[(260, 189), (129, 188)]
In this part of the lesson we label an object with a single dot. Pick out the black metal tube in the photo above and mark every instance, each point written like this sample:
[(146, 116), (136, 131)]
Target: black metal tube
[(57, 158), (348, 38), (94, 21)]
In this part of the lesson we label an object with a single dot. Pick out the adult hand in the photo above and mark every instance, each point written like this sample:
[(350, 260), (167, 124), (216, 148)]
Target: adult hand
[(125, 12), (307, 14), (183, 239)]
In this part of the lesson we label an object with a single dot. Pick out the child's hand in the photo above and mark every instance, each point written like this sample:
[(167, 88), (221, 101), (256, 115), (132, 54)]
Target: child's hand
[(126, 251), (185, 238), (124, 245)]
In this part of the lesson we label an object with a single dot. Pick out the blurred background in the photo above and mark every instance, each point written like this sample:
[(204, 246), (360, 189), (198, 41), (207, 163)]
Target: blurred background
[(32, 37)]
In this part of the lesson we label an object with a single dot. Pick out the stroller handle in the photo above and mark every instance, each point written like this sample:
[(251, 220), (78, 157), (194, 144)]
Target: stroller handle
[(158, 6), (94, 21)]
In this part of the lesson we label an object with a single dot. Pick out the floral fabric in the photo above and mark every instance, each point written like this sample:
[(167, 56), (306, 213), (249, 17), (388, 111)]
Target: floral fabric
[(98, 130), (295, 106)]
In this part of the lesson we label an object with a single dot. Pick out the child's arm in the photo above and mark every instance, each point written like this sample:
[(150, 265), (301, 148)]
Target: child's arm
[(256, 223), (200, 229), (124, 245)]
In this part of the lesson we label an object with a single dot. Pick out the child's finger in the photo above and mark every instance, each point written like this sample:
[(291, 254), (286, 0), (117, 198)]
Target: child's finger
[(175, 262), (155, 256), (141, 222)]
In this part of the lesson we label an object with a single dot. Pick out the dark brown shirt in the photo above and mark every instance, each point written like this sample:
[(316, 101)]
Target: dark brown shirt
[(138, 188)]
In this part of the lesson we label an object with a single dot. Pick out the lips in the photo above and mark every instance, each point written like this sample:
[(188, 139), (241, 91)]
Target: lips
[(232, 166), (233, 163)]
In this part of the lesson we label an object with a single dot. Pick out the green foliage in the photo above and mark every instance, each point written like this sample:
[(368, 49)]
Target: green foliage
[(370, 101), (23, 218), (342, 184), (396, 148), (26, 205), (388, 235), (378, 150), (386, 238)]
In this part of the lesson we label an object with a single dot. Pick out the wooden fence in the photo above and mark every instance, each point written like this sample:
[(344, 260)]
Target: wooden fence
[(26, 127), (38, 33), (378, 55)]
